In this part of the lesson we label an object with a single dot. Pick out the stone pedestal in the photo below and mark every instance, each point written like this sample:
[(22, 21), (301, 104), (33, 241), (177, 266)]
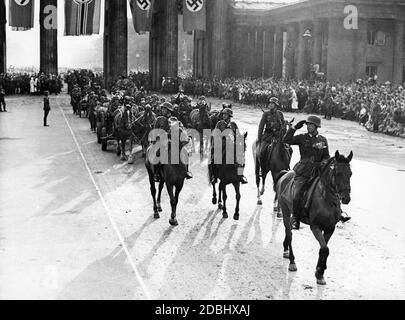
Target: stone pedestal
[(115, 41), (48, 41)]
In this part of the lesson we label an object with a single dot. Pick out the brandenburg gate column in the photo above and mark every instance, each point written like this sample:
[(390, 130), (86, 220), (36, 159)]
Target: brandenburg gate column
[(115, 41), (3, 51), (219, 44), (278, 53), (398, 51), (170, 39), (48, 40)]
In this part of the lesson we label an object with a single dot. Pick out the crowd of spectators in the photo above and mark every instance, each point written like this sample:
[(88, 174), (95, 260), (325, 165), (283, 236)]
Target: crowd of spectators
[(30, 83), (379, 107)]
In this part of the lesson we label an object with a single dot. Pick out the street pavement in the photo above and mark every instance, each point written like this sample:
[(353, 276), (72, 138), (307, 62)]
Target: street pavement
[(77, 223)]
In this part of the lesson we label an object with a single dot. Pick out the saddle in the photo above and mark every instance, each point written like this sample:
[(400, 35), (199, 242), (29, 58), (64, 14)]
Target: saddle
[(306, 195)]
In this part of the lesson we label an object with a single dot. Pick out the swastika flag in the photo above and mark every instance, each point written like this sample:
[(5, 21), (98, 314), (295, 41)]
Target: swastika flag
[(21, 14), (142, 11), (82, 17), (194, 15)]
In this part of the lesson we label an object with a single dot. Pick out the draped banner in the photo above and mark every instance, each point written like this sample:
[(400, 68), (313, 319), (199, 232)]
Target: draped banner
[(21, 14), (142, 11), (82, 17), (194, 15)]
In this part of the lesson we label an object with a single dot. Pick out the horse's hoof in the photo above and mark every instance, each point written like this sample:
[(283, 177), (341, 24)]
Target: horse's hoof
[(321, 281), (292, 267), (236, 216), (214, 200), (131, 161), (279, 215), (220, 206), (173, 222), (259, 202), (159, 208), (286, 255), (156, 216), (224, 215)]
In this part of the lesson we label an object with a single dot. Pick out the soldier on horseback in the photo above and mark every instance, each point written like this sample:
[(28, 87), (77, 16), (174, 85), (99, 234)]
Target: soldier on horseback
[(227, 123), (271, 126), (162, 122), (314, 152)]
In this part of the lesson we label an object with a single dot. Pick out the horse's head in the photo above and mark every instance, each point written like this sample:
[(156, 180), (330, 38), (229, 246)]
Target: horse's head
[(341, 176)]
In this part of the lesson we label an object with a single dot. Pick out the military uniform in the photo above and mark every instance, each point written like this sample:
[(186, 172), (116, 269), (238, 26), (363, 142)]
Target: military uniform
[(270, 127), (47, 108), (313, 150)]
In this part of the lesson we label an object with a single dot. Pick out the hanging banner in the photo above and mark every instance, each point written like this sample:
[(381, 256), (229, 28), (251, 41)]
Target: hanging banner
[(142, 11), (21, 14), (82, 17), (194, 15)]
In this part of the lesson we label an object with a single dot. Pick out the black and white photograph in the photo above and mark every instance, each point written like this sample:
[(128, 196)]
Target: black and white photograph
[(225, 151)]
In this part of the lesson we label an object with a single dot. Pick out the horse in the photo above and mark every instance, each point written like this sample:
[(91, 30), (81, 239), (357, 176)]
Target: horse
[(324, 212), (141, 127), (275, 158), (171, 174), (200, 120), (227, 174), (122, 130)]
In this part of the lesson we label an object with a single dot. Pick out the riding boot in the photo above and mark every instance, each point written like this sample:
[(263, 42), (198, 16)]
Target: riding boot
[(189, 175), (243, 179), (295, 222), (345, 218)]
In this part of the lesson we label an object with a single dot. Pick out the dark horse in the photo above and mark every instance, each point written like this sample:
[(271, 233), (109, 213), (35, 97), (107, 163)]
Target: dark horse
[(200, 120), (324, 210), (275, 158), (173, 176), (227, 174), (122, 129), (141, 127)]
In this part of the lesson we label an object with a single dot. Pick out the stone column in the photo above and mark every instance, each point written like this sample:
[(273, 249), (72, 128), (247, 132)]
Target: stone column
[(259, 53), (115, 41), (317, 39), (3, 51), (170, 39), (302, 61), (219, 41), (48, 39), (291, 51), (244, 53), (278, 54), (398, 51), (268, 52)]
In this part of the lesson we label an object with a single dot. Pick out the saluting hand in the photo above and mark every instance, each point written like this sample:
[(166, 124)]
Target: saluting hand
[(299, 125)]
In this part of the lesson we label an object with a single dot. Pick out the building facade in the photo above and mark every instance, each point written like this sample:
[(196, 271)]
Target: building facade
[(348, 40)]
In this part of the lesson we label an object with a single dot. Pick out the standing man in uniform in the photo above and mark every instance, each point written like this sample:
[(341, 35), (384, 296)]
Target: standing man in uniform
[(2, 100), (47, 107)]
